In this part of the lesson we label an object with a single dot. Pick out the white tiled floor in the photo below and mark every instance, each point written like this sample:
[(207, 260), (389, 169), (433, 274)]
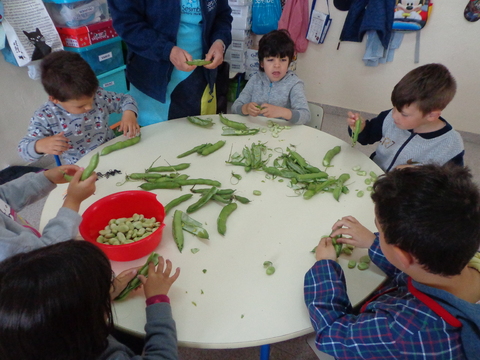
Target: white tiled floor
[(295, 349)]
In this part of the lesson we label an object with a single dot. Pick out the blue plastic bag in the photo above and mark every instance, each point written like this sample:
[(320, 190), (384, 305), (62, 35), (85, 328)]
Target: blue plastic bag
[(265, 16)]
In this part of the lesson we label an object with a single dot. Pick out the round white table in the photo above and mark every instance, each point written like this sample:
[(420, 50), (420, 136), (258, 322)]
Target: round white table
[(223, 297)]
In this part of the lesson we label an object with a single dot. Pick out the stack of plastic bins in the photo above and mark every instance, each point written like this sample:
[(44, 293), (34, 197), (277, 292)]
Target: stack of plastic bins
[(114, 80)]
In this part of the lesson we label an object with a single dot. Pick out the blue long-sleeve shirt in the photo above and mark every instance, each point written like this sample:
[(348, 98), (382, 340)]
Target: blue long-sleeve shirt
[(394, 325)]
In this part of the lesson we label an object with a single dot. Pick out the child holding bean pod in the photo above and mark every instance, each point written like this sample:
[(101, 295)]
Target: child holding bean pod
[(427, 241), (274, 91), (413, 132), (74, 120), (16, 235), (71, 315)]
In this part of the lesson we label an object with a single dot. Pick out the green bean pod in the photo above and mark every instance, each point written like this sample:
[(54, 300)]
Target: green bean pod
[(298, 158), (135, 282), (338, 246), (200, 122), (160, 185), (237, 132), (196, 149), (339, 186), (145, 176), (176, 202), (327, 159), (198, 62), (222, 218), (178, 230), (178, 167), (356, 131), (120, 145), (277, 172), (212, 148), (91, 167), (233, 124), (241, 199), (193, 227), (312, 176), (199, 182), (316, 188), (219, 191), (202, 201)]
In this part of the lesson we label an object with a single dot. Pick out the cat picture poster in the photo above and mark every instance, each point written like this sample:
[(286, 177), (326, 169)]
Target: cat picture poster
[(30, 31)]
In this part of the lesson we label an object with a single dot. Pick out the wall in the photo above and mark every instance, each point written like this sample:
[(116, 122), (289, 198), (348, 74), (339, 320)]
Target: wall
[(332, 77), (339, 77)]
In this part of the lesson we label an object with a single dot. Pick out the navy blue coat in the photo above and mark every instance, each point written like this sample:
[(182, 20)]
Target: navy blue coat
[(149, 28), (365, 15)]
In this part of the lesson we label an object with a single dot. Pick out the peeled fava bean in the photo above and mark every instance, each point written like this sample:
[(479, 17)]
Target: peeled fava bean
[(127, 230)]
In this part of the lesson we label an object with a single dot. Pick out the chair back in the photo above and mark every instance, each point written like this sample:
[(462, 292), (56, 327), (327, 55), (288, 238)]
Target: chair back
[(316, 113)]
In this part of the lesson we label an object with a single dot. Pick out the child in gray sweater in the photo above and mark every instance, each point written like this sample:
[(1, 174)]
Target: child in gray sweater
[(274, 91)]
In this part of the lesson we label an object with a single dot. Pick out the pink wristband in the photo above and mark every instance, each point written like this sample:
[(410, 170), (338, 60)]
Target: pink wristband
[(157, 299)]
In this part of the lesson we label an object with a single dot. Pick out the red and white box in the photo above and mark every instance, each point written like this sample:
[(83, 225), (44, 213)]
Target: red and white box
[(87, 35)]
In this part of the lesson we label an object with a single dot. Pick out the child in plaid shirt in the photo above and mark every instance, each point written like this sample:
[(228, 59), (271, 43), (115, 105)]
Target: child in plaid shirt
[(428, 220)]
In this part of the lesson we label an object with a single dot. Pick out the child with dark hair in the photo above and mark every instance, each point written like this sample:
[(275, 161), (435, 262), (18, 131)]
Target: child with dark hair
[(428, 236), (413, 132), (74, 120), (16, 234), (275, 91), (55, 303)]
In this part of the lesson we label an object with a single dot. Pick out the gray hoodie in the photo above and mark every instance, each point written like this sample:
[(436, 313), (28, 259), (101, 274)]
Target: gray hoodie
[(288, 93)]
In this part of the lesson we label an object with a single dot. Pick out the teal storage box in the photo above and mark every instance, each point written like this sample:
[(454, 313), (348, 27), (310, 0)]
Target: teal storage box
[(103, 56), (114, 80)]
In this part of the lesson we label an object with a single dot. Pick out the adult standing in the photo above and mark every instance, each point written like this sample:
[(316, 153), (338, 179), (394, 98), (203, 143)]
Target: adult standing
[(161, 36)]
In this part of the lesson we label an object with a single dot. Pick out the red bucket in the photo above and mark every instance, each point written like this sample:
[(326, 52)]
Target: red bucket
[(119, 205)]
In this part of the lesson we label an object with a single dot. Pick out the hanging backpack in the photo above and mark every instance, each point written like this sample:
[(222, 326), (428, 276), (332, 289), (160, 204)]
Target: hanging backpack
[(412, 15), (295, 20), (265, 16)]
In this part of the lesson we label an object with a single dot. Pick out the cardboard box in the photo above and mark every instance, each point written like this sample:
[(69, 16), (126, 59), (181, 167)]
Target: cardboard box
[(239, 2), (236, 66), (241, 45), (242, 17), (87, 35), (239, 34), (250, 73), (234, 55)]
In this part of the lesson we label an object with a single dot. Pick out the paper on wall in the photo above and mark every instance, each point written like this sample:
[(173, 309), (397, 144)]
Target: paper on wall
[(30, 31)]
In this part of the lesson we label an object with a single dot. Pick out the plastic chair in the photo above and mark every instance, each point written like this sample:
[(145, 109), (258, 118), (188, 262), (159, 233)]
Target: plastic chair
[(316, 113)]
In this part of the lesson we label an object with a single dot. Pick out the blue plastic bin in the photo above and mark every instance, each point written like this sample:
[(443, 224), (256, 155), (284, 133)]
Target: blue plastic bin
[(103, 56)]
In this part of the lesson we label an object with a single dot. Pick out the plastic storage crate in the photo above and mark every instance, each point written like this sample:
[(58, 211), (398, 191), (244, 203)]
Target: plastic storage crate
[(103, 56), (87, 35), (116, 81), (73, 13)]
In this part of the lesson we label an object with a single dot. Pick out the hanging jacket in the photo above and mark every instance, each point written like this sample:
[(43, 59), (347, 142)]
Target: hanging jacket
[(365, 15), (295, 19)]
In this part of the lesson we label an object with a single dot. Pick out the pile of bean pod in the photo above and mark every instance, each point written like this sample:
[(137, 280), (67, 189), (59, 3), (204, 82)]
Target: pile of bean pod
[(127, 230)]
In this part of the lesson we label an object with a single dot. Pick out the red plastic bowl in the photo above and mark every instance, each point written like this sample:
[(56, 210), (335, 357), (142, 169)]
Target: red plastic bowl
[(118, 205)]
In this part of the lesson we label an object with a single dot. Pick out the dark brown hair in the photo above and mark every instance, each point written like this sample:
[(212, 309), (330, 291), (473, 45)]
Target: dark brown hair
[(431, 212), (276, 43), (67, 76), (430, 87)]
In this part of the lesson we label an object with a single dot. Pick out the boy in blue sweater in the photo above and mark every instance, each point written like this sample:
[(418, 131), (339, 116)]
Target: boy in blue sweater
[(413, 132), (428, 236)]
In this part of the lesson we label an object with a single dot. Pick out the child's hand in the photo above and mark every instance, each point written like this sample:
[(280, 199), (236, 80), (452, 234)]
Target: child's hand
[(121, 281), (159, 280), (252, 109), (360, 236), (79, 190), (129, 125), (54, 145), (352, 118), (55, 175), (325, 250), (273, 111)]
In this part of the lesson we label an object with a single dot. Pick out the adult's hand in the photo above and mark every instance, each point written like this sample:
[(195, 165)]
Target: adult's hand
[(179, 57), (215, 54)]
